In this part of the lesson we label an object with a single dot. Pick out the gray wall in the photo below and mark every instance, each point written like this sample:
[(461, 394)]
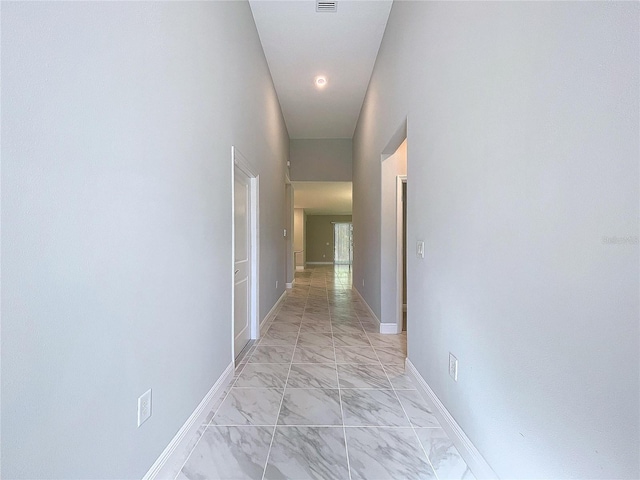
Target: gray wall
[(117, 126), (319, 233), (523, 155), (321, 160)]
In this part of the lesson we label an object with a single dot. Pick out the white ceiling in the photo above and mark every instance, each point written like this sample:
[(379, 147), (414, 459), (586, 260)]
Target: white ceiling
[(323, 198), (301, 44)]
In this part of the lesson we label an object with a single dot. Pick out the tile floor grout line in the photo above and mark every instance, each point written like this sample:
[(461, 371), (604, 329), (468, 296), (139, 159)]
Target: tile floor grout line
[(275, 427), (191, 452), (207, 425), (243, 425), (403, 409), (413, 428), (302, 426), (344, 430), (387, 427), (231, 386)]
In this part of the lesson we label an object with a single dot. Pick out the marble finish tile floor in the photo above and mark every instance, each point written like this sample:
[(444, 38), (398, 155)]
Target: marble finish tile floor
[(322, 395)]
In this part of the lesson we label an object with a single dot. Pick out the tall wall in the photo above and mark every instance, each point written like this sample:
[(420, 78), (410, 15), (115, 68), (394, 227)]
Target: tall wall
[(321, 160), (319, 237), (522, 123), (117, 126)]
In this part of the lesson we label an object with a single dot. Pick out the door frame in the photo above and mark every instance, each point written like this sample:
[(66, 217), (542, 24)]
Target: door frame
[(240, 162), (390, 306), (290, 264), (400, 179)]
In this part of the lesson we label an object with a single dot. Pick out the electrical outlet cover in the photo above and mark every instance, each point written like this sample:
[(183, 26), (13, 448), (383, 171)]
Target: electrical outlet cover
[(144, 407)]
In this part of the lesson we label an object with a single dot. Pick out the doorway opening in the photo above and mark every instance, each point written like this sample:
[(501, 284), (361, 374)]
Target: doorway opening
[(393, 237), (245, 254), (402, 255), (343, 243)]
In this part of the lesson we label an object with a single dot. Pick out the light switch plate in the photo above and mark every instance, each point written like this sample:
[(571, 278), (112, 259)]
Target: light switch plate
[(453, 367), (420, 249)]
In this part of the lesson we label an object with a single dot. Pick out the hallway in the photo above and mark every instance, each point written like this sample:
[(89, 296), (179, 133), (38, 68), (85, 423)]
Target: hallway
[(320, 374), (122, 125)]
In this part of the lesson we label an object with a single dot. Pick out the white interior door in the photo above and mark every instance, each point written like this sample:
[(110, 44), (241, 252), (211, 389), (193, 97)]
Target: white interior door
[(242, 260)]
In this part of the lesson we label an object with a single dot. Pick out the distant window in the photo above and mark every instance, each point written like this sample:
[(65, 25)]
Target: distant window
[(343, 243)]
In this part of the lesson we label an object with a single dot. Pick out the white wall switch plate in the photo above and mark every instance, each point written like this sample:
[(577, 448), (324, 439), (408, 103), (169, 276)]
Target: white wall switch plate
[(285, 232), (453, 367), (420, 249), (144, 407), (276, 283)]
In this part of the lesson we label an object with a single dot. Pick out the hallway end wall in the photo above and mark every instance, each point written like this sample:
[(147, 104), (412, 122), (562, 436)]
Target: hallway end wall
[(522, 124), (321, 159), (117, 125), (319, 237)]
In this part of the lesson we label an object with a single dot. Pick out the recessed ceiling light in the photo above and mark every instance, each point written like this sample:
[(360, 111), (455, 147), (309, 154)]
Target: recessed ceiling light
[(321, 81)]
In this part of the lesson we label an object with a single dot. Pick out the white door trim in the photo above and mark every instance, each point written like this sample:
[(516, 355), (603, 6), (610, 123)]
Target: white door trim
[(400, 179), (240, 161)]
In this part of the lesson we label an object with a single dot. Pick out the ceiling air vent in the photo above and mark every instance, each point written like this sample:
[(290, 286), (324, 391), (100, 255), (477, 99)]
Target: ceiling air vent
[(322, 6)]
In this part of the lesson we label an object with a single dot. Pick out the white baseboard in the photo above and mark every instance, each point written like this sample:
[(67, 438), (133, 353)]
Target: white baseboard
[(166, 464), (389, 328), (319, 263), (273, 310), (290, 285), (470, 454), (373, 315), (299, 268)]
